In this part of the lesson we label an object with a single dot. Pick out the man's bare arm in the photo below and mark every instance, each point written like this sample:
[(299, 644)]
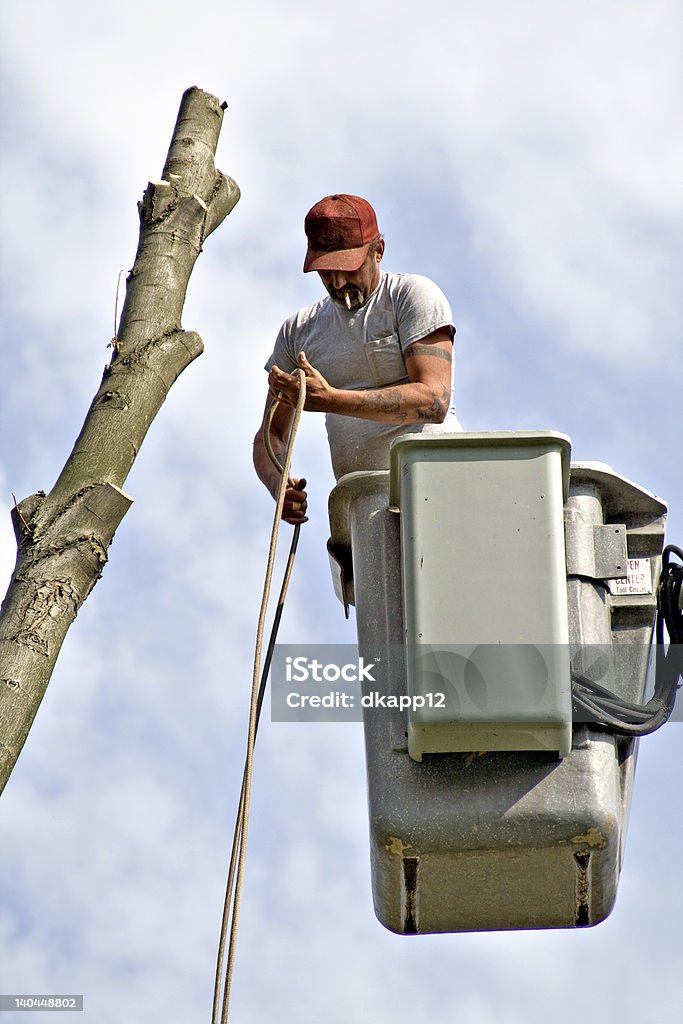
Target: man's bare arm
[(424, 399), (294, 510)]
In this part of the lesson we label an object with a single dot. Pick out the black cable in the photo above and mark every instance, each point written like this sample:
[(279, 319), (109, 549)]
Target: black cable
[(276, 621), (605, 708), (669, 597)]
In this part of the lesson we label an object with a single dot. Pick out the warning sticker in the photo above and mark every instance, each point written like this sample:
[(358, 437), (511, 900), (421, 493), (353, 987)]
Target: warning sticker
[(638, 579)]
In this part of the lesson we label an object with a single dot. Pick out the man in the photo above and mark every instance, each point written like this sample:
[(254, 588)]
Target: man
[(376, 351)]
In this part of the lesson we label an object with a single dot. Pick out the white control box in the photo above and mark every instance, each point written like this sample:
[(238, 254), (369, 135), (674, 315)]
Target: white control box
[(484, 590)]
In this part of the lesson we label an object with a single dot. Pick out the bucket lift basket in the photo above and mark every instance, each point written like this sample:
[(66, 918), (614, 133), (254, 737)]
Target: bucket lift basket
[(488, 563)]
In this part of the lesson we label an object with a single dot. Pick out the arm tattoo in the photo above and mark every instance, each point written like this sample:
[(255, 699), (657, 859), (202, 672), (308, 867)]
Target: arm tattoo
[(426, 350), (385, 400), (437, 409)]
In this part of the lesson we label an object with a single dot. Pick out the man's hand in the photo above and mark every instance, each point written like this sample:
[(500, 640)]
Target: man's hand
[(285, 387), (294, 508)]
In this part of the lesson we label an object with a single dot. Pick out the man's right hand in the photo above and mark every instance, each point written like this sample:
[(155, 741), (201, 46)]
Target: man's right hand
[(296, 500)]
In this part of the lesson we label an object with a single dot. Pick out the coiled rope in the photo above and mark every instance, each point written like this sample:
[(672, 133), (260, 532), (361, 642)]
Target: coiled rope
[(233, 894)]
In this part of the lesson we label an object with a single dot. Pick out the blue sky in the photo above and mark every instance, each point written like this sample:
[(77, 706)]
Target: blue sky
[(527, 157)]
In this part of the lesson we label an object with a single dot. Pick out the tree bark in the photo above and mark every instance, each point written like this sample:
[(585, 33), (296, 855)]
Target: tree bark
[(63, 537)]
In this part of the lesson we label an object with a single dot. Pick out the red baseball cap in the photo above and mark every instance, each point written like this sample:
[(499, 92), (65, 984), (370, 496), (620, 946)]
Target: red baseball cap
[(339, 229)]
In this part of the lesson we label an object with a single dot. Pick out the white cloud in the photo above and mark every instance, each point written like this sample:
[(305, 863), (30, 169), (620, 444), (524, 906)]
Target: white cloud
[(8, 546)]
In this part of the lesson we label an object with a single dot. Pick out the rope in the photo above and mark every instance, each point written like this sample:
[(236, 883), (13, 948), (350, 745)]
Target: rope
[(233, 893)]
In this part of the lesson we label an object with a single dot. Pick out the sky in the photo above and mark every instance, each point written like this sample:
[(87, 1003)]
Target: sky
[(527, 157)]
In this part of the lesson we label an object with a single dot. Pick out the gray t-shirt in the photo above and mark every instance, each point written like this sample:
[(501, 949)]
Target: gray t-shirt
[(363, 348)]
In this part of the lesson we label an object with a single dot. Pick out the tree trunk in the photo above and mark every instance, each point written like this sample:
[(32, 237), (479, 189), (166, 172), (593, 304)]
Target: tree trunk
[(63, 537)]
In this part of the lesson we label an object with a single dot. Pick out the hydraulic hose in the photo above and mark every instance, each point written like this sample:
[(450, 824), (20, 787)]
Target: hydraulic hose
[(606, 708)]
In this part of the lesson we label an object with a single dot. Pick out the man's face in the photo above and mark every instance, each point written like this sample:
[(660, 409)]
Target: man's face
[(351, 288)]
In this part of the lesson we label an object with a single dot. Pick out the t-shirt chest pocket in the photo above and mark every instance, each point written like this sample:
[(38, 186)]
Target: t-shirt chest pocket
[(385, 358)]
